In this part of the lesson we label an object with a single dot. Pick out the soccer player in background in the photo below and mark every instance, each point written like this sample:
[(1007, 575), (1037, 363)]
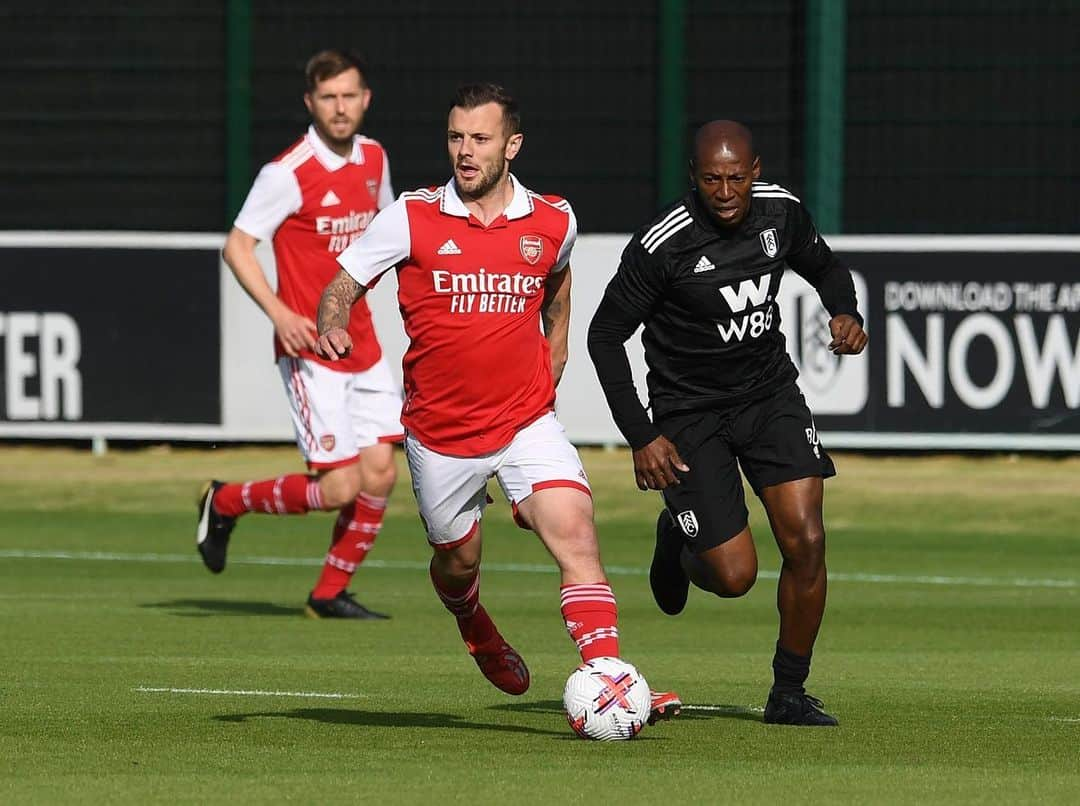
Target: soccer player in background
[(482, 263), (703, 277), (312, 201)]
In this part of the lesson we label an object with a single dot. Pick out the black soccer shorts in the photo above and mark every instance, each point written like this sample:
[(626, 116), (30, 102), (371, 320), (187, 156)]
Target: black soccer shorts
[(773, 440)]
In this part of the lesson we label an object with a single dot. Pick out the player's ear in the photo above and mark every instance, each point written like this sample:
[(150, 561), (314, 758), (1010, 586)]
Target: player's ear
[(308, 102), (755, 170), (513, 145), (365, 99)]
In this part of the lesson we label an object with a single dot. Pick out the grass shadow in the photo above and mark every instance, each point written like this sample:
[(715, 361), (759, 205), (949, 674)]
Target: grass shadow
[(689, 711), (387, 719), (202, 608)]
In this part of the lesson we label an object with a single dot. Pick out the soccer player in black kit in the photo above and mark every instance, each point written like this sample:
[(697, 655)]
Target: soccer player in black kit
[(703, 278)]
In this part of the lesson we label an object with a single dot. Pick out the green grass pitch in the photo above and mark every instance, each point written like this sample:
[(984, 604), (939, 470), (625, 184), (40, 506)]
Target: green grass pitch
[(950, 649)]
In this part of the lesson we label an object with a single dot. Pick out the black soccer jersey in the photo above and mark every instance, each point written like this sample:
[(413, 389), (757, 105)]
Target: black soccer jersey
[(707, 298)]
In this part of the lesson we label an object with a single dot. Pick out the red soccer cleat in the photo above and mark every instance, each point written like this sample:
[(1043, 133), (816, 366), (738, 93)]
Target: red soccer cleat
[(502, 665), (665, 705)]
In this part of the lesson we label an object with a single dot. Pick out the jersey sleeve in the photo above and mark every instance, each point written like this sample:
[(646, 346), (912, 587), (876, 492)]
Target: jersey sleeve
[(563, 260), (386, 188), (274, 196), (637, 285), (814, 261), (384, 244)]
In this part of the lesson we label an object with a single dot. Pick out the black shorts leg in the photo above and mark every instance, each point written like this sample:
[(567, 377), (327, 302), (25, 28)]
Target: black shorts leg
[(776, 441), (709, 505)]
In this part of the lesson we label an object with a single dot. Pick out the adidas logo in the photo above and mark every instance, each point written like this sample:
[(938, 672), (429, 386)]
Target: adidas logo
[(703, 264), (330, 199), (449, 248)]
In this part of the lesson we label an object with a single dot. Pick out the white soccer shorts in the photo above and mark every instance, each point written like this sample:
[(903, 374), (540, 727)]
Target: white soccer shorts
[(451, 491), (336, 414)]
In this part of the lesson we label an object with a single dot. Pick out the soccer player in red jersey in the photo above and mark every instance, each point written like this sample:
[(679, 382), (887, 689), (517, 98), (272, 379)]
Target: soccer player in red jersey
[(482, 262), (312, 201)]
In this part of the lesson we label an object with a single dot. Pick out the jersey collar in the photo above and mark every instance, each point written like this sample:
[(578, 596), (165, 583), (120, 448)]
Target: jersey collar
[(520, 205), (330, 159)]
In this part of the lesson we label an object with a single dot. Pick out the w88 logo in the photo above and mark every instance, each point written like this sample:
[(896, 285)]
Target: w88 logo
[(754, 324)]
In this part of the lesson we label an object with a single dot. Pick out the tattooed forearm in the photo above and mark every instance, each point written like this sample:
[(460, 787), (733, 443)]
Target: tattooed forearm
[(337, 300), (551, 313), (555, 316)]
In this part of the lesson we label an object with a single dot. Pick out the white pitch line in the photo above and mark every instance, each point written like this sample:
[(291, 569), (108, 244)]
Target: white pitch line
[(725, 709), (1064, 718), (616, 570), (254, 693)]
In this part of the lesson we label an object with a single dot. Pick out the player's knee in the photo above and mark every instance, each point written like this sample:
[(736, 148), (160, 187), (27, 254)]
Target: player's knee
[(805, 547), (576, 547), (456, 564), (338, 489), (734, 580), (335, 494), (379, 480)]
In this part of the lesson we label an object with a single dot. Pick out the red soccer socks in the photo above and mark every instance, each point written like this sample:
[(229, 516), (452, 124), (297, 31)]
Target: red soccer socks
[(592, 619), (285, 495), (355, 530), (498, 661)]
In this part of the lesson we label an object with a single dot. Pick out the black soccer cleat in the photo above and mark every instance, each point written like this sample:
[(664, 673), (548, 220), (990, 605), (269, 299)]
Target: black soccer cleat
[(213, 530), (668, 580), (796, 708), (344, 605)]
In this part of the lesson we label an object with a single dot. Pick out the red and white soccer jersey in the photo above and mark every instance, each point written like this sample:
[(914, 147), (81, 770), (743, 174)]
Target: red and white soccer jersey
[(313, 203), (478, 368)]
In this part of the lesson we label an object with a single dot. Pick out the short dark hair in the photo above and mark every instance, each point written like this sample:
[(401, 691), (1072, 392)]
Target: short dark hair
[(329, 63), (470, 96)]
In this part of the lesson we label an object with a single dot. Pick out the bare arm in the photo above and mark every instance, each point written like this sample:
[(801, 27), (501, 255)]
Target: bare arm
[(337, 300), (555, 313), (295, 331)]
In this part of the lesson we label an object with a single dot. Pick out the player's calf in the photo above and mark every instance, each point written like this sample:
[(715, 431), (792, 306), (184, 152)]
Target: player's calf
[(728, 570)]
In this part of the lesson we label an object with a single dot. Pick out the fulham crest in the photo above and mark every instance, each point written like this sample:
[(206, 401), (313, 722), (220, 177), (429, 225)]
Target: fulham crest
[(688, 521), (769, 245), (532, 248)]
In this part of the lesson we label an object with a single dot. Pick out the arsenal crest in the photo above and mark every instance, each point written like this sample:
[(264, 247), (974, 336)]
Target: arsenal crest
[(769, 244), (327, 441), (532, 248), (373, 188)]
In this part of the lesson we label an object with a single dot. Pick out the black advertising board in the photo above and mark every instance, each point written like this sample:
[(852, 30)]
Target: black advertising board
[(107, 335), (967, 346)]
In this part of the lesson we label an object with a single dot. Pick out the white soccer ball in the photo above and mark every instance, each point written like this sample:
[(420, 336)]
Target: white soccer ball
[(606, 699)]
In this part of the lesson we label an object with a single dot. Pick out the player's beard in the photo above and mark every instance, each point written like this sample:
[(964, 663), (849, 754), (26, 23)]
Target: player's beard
[(486, 181), (337, 143)]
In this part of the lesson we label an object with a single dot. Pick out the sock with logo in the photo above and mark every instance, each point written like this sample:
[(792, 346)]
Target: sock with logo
[(474, 624), (286, 495), (789, 671), (355, 530), (592, 618)]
